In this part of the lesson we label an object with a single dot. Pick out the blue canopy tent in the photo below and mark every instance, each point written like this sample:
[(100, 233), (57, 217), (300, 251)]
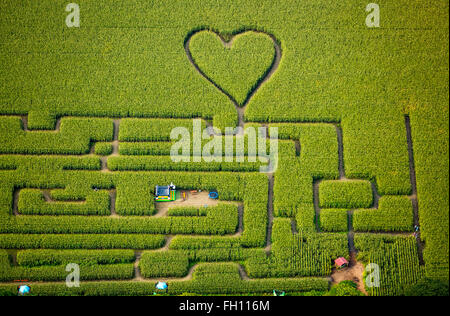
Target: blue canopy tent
[(24, 289), (161, 286)]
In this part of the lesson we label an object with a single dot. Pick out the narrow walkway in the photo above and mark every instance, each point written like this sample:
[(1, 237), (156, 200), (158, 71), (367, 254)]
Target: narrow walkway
[(112, 197), (270, 215), (16, 202), (413, 196), (115, 143), (137, 271)]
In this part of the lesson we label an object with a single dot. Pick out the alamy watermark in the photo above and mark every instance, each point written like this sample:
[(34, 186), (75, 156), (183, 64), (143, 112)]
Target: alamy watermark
[(73, 278), (373, 275), (373, 18), (209, 145), (73, 18)]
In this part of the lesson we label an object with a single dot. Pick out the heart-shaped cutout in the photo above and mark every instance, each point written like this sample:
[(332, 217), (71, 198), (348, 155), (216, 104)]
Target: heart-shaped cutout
[(238, 67)]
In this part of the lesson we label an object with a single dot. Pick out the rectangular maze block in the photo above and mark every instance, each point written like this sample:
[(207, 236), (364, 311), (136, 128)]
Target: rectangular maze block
[(345, 194)]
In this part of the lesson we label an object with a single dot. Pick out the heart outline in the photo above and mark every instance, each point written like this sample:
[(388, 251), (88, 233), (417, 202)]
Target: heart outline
[(264, 78)]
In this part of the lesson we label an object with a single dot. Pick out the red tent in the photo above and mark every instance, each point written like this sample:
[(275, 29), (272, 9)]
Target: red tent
[(341, 262)]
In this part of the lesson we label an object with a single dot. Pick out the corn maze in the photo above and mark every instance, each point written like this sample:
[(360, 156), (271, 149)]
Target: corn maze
[(86, 123)]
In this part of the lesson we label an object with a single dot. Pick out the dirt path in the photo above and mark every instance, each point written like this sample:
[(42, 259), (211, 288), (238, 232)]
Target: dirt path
[(316, 184), (413, 196), (270, 215), (24, 119), (243, 273), (16, 202), (352, 273), (275, 63), (340, 152), (241, 219), (351, 236), (115, 143), (112, 197), (137, 271)]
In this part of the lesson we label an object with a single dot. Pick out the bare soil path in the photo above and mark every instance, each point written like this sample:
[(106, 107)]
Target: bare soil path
[(270, 215), (115, 143), (352, 273), (413, 196), (112, 197)]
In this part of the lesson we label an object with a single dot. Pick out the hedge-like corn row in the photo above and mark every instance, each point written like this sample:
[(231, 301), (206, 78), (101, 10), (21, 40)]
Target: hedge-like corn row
[(224, 283), (316, 159), (430, 136), (333, 220), (187, 211), (394, 213), (295, 254), (399, 268), (165, 163), (224, 278), (47, 257), (135, 129), (74, 137), (103, 149), (32, 202), (49, 163), (345, 194), (74, 241), (229, 146), (135, 200), (204, 242), (58, 273), (164, 264)]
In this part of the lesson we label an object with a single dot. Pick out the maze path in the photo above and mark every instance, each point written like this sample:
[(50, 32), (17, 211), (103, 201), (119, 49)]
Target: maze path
[(116, 124)]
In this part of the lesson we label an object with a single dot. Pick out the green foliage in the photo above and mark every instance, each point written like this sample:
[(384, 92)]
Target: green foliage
[(291, 256), (158, 163), (317, 158), (326, 77), (332, 220), (135, 200), (428, 287), (10, 273), (224, 278), (59, 273), (398, 267), (187, 211), (394, 213), (430, 134), (203, 242), (132, 129), (345, 194), (74, 241), (74, 137), (103, 149), (46, 257), (164, 264), (255, 224), (40, 120), (344, 288), (32, 202)]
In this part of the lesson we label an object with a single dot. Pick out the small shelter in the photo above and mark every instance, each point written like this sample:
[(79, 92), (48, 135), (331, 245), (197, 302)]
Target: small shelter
[(165, 193), (24, 289), (161, 286), (341, 262)]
